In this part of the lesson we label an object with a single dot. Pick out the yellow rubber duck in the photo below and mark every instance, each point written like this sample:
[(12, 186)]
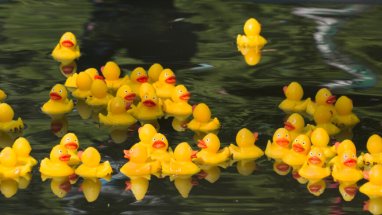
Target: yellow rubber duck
[(314, 167), (322, 117), (71, 81), (373, 188), (71, 143), (245, 148), (279, 146), (159, 148), (252, 37), (84, 84), (320, 138), (22, 148), (154, 72), (178, 107), (91, 189), (293, 101), (145, 134), (57, 165), (7, 124), (91, 166), (150, 107), (295, 124), (138, 165), (112, 73), (3, 95), (137, 77), (181, 164), (99, 95), (345, 170), (297, 154), (67, 50), (324, 97), (374, 155), (210, 153), (348, 190), (127, 94), (165, 84), (252, 55), (344, 116), (10, 168), (58, 104), (316, 187), (117, 116), (202, 121)]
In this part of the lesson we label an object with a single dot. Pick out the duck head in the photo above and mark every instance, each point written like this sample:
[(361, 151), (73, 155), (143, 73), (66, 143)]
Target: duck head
[(58, 93), (325, 97), (84, 81), (295, 122), (344, 105), (154, 72), (245, 138), (167, 76), (68, 40), (202, 113), (99, 88), (136, 154), (210, 143), (8, 157), (348, 158), (126, 93), (252, 27), (293, 91), (184, 152), (281, 137), (6, 112), (146, 132), (93, 73), (374, 144), (139, 75), (70, 141), (316, 156), (159, 142), (301, 144), (91, 157), (22, 147), (111, 71), (346, 145), (59, 154), (180, 94), (319, 137)]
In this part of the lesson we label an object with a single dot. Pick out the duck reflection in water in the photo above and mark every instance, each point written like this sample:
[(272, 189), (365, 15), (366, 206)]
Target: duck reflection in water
[(9, 187), (117, 28)]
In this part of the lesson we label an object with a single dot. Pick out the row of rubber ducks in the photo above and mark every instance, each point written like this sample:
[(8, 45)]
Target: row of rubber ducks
[(251, 43), (328, 112)]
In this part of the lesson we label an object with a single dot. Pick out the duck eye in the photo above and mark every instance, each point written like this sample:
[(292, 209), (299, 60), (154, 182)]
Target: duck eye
[(311, 153), (154, 97), (60, 151), (162, 138), (208, 140), (139, 73), (145, 96), (125, 91), (278, 135), (319, 154), (60, 91), (67, 139), (303, 143), (345, 156), (154, 139)]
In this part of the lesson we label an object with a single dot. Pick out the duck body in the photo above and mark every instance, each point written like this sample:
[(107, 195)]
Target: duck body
[(314, 167), (10, 168), (7, 124), (178, 106), (67, 50), (202, 121), (117, 115), (293, 102), (280, 145), (245, 148), (91, 166), (211, 154), (373, 188), (58, 103), (165, 85), (344, 116), (181, 164), (323, 98), (252, 37), (56, 165)]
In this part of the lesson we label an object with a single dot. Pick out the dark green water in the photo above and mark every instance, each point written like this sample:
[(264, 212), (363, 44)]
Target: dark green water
[(323, 44)]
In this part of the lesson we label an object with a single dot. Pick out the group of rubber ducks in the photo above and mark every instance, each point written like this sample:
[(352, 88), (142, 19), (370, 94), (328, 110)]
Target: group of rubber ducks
[(251, 43)]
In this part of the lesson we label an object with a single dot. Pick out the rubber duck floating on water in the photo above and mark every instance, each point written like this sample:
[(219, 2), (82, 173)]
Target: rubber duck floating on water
[(11, 168), (117, 116), (57, 164), (293, 98), (150, 107), (112, 73), (252, 37), (91, 166), (165, 84), (373, 188), (71, 143), (314, 168), (137, 77), (295, 124), (145, 134), (22, 148), (7, 124), (84, 84), (320, 138), (210, 153), (154, 72), (323, 119), (245, 148), (71, 81), (58, 104), (202, 123), (125, 92), (279, 146), (374, 154), (344, 116), (99, 94), (324, 97), (67, 50)]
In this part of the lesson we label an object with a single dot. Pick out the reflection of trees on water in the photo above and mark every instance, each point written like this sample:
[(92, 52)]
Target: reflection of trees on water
[(152, 31)]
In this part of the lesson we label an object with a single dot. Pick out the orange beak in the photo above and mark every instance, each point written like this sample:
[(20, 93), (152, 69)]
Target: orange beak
[(193, 154), (171, 80), (64, 157), (202, 144), (149, 103), (55, 96), (185, 96), (298, 148), (289, 126), (331, 100), (126, 154), (159, 144), (67, 43), (130, 96), (283, 142), (71, 145), (350, 162), (285, 89), (314, 160), (128, 185), (99, 77), (256, 135), (142, 79)]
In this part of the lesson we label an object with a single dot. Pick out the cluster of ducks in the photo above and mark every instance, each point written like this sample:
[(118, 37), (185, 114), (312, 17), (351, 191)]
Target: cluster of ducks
[(251, 43)]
